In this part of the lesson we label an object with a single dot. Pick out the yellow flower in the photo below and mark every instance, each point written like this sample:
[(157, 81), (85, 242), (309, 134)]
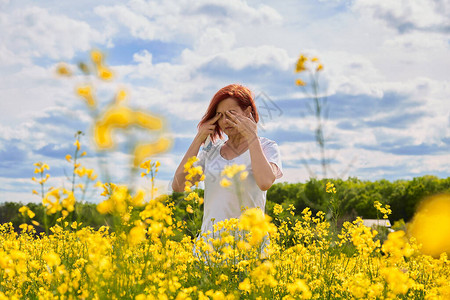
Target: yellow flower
[(300, 82), (68, 157), (231, 171), (62, 289), (52, 201), (30, 214), (319, 67), (52, 259), (148, 121), (398, 282), (300, 67), (257, 223), (189, 209), (136, 235), (299, 286), (225, 182), (63, 70), (138, 198), (430, 225), (119, 116), (86, 93), (192, 196), (121, 95), (97, 57), (23, 210), (83, 154), (277, 209), (104, 73), (330, 189), (143, 151), (397, 245), (245, 285), (105, 207), (69, 202), (77, 144)]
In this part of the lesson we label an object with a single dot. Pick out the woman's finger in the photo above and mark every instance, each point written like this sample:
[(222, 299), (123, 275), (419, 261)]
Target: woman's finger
[(232, 116), (214, 119)]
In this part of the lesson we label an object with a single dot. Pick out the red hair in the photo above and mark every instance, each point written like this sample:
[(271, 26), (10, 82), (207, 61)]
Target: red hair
[(243, 97)]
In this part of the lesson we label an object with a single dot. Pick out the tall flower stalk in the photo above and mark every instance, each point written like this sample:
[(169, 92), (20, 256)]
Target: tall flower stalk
[(313, 67)]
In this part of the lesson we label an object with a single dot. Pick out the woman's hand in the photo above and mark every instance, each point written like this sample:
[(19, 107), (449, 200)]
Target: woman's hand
[(245, 125), (207, 128)]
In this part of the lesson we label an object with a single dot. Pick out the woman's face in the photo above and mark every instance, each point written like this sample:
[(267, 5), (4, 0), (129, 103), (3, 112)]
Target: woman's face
[(232, 106)]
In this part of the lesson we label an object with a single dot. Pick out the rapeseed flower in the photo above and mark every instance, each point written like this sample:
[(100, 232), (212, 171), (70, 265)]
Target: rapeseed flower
[(431, 225), (86, 92), (300, 67), (63, 70)]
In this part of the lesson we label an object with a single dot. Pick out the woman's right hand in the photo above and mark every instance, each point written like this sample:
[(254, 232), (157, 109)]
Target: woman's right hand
[(207, 128)]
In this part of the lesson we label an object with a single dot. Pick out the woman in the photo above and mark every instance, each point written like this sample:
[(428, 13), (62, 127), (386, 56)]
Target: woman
[(232, 111)]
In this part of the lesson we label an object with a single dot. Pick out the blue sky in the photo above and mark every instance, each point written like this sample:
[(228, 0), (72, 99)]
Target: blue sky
[(386, 79)]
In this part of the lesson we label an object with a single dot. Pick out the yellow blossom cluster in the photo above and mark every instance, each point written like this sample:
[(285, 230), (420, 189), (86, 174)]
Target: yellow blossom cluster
[(150, 170), (26, 211), (386, 210), (330, 188), (231, 171), (117, 115), (304, 63), (257, 224), (431, 225), (397, 246), (59, 199), (40, 168), (194, 174), (150, 260), (119, 201)]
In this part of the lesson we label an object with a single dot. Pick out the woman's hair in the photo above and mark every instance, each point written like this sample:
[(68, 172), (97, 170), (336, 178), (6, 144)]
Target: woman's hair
[(241, 94)]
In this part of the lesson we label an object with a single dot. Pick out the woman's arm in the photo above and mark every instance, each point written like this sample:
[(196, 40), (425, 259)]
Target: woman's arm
[(179, 177), (263, 171), (203, 132)]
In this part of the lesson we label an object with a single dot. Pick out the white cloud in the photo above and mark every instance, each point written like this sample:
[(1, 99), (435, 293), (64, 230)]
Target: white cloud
[(138, 25), (29, 89), (34, 32), (182, 21), (407, 15), (417, 42), (255, 57), (213, 40)]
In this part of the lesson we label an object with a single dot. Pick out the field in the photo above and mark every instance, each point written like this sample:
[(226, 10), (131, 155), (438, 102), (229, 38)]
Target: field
[(147, 251)]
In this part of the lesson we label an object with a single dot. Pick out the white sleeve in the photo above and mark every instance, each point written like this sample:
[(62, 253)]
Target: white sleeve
[(201, 159), (272, 153)]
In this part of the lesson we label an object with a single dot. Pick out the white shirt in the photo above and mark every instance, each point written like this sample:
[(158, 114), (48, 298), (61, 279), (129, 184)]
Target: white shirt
[(222, 203)]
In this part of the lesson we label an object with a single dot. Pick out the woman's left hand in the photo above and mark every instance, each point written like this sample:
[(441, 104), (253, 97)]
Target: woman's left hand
[(245, 125)]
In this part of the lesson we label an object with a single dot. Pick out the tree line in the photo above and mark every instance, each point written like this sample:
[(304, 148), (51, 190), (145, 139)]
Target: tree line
[(354, 197)]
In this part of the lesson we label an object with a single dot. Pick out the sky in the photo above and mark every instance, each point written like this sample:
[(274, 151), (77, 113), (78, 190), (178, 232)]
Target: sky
[(386, 81)]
